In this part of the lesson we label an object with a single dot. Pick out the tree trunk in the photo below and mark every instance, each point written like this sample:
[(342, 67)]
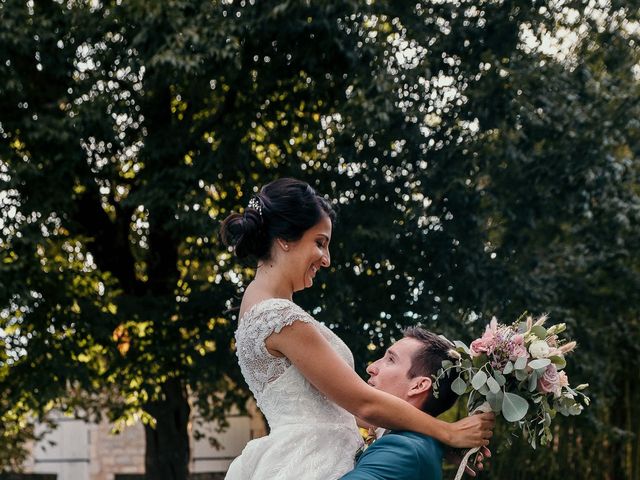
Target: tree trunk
[(167, 445)]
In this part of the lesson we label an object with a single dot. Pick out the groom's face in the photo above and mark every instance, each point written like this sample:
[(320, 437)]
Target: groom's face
[(391, 372)]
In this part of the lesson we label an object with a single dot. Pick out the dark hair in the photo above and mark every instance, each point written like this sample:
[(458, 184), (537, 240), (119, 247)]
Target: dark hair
[(284, 208), (427, 361)]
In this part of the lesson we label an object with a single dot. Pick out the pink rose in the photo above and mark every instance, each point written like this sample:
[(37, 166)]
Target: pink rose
[(487, 343), (518, 349), (481, 345), (550, 380), (563, 380)]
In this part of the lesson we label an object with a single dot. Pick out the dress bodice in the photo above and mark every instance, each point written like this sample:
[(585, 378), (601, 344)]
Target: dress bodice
[(283, 395)]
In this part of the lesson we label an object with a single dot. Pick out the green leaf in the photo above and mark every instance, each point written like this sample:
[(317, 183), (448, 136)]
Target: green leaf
[(559, 361), (499, 378), (495, 400), (459, 386), (521, 363), (514, 407), (533, 382), (539, 363), (493, 385), (508, 368), (539, 331), (479, 379)]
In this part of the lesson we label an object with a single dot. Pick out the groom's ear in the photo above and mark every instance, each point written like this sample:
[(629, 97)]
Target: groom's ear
[(420, 385)]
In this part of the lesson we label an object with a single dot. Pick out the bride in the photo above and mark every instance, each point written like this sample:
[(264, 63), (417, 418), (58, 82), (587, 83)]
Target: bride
[(299, 371)]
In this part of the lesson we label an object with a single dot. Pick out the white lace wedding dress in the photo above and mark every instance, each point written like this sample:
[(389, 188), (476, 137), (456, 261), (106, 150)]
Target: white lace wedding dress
[(311, 437)]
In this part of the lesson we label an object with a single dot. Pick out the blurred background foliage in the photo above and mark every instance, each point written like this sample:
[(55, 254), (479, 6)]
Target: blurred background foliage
[(483, 156)]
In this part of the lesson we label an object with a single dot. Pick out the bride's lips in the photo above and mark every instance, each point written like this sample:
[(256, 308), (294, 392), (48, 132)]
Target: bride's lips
[(314, 270)]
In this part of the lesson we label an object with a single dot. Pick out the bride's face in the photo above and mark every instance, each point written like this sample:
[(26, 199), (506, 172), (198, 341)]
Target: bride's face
[(391, 372), (305, 257)]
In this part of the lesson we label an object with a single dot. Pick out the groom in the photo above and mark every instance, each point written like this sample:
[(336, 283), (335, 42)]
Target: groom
[(406, 371)]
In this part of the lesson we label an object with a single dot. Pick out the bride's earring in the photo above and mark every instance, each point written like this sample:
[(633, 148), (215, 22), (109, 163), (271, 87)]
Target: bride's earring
[(284, 245)]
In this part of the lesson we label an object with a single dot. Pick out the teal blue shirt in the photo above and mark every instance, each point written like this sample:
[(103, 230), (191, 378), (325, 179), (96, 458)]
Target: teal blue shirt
[(400, 455)]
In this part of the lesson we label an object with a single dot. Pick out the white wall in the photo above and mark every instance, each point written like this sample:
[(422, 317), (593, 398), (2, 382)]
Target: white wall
[(205, 458), (69, 457), (89, 452)]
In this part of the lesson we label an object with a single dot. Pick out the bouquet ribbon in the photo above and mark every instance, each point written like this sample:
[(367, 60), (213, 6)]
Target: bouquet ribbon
[(483, 408)]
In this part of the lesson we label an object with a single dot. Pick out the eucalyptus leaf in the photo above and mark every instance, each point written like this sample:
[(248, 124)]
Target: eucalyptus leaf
[(559, 361), (495, 400), (520, 363), (514, 407), (539, 363), (499, 378), (533, 383), (479, 379), (508, 368), (539, 331), (493, 385), (459, 386)]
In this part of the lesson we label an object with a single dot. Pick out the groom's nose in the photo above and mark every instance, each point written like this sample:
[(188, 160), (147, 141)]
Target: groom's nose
[(372, 369)]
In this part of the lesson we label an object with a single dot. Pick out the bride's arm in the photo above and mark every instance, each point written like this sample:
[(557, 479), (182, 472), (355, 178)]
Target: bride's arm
[(362, 423), (314, 357)]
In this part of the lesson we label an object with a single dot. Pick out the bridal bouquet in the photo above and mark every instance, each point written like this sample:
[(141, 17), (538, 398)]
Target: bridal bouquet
[(518, 370)]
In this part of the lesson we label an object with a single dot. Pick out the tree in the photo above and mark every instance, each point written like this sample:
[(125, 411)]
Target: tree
[(474, 173)]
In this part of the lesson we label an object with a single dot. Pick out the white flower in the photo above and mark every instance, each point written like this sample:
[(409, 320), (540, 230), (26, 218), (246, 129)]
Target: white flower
[(539, 349)]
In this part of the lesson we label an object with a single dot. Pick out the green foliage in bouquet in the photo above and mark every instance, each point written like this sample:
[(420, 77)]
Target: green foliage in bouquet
[(518, 370)]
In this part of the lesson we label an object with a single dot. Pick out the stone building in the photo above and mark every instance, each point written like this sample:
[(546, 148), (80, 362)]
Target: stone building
[(82, 451)]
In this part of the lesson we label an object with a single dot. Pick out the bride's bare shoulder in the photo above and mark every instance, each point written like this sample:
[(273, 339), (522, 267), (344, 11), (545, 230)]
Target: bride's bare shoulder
[(252, 298)]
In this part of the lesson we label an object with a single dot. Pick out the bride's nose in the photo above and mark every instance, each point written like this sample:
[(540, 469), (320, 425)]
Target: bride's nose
[(326, 259)]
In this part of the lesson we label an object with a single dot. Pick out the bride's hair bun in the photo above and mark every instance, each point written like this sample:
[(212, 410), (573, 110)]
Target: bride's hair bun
[(244, 232), (284, 208)]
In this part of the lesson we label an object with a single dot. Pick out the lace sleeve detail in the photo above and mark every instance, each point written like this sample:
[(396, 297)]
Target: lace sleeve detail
[(258, 366)]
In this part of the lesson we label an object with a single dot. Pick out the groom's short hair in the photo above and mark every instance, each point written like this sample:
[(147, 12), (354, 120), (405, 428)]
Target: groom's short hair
[(427, 361)]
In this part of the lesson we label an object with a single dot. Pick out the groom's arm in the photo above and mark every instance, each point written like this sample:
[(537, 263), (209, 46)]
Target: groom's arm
[(393, 457)]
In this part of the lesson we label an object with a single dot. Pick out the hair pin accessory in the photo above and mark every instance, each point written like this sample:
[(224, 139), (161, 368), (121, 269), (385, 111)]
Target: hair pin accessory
[(254, 203)]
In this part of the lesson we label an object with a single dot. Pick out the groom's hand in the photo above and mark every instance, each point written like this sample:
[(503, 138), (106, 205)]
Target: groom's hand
[(479, 462), (455, 456)]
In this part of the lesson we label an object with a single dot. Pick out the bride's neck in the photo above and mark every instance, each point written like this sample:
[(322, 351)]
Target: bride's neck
[(272, 281)]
